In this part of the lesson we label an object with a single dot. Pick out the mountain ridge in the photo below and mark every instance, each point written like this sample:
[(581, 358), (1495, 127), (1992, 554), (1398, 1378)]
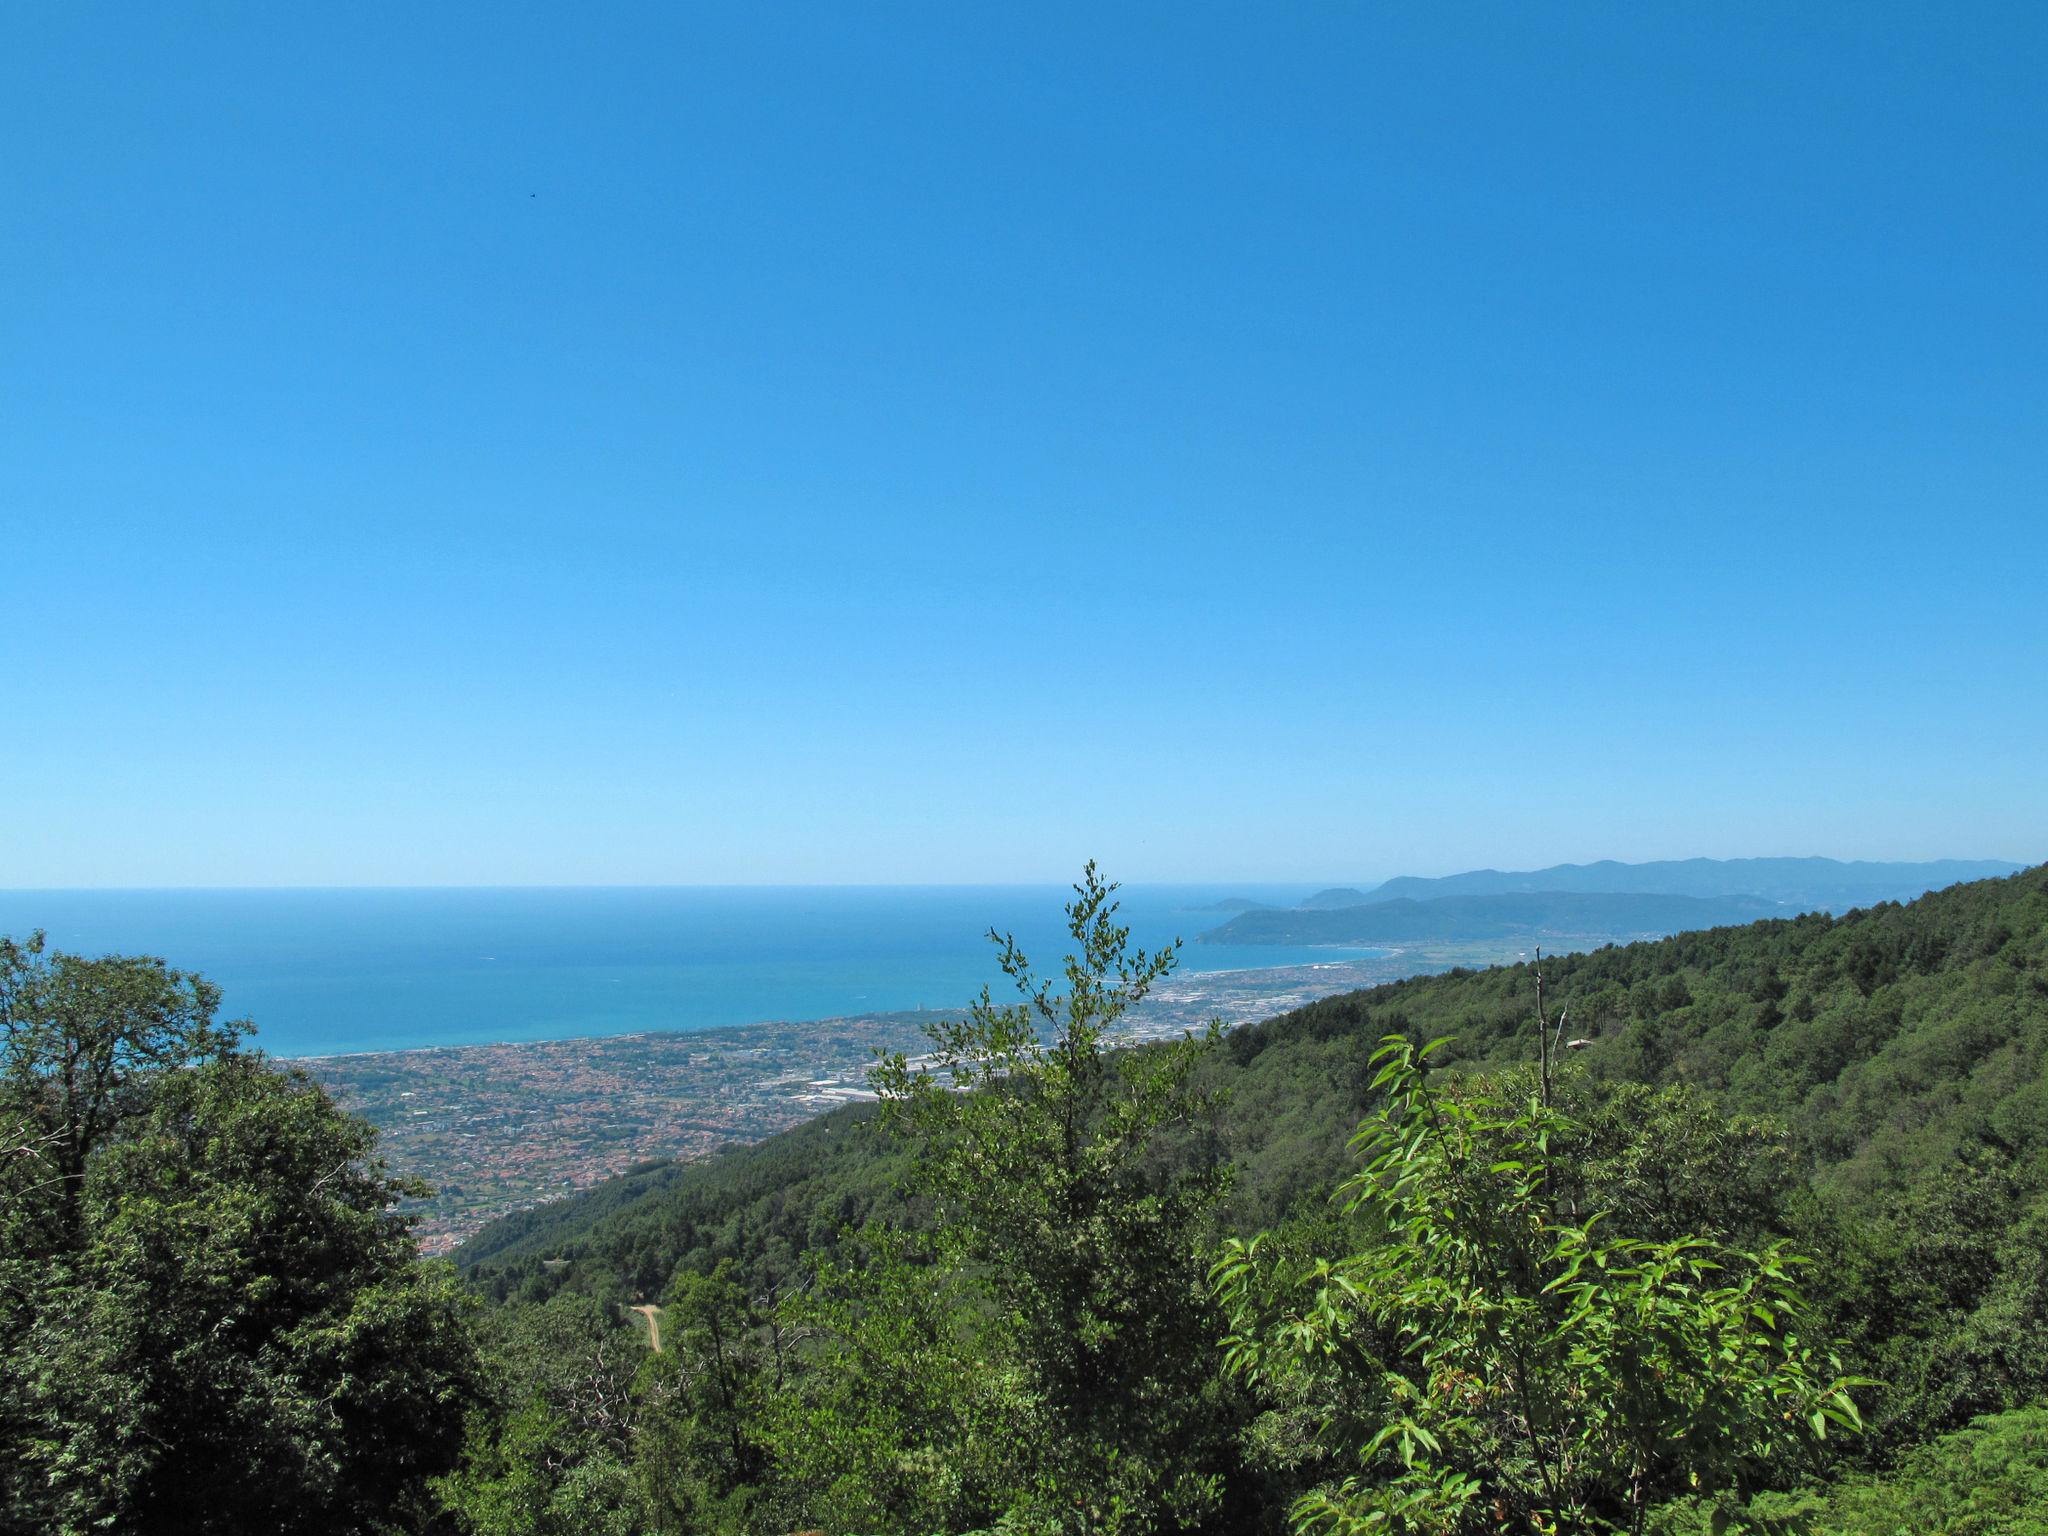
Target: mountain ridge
[(1806, 882), (1580, 916)]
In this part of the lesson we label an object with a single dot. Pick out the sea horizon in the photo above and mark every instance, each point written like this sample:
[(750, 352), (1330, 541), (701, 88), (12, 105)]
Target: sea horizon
[(326, 971)]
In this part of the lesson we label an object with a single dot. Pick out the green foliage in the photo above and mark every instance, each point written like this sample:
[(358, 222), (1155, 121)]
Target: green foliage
[(912, 1411), (1665, 1162), (701, 1404), (1498, 1359), (1943, 1293), (516, 1481), (551, 1453), (766, 1207), (1990, 1479), (1032, 1351), (236, 1334), (1900, 1054), (1077, 1183), (82, 1041)]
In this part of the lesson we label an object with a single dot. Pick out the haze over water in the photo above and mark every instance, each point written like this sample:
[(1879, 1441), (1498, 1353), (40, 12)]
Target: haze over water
[(323, 972)]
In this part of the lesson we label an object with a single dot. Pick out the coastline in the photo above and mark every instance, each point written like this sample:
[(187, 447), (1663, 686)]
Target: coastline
[(497, 1128), (308, 1059)]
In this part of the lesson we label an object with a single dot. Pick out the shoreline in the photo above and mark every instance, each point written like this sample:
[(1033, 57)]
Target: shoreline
[(1358, 955), (504, 1126)]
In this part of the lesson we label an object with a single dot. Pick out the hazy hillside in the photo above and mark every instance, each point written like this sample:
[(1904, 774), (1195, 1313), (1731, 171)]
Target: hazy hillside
[(1464, 919), (1341, 896), (1803, 884)]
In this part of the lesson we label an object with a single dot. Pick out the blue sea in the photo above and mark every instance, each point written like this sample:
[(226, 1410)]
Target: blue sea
[(323, 972)]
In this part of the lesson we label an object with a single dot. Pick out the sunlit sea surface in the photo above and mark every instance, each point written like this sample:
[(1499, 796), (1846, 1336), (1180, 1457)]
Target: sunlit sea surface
[(328, 971)]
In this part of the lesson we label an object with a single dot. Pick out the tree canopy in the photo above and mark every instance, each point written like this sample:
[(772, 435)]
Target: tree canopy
[(210, 1318)]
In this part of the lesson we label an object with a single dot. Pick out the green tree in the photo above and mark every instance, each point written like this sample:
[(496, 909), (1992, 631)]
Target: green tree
[(1497, 1362), (552, 1452), (702, 1441), (1943, 1294), (82, 1041), (210, 1317), (1663, 1162), (1077, 1183), (1990, 1479), (910, 1413), (517, 1480)]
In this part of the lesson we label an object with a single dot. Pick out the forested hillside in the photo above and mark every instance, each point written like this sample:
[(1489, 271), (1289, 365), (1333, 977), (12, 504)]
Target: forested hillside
[(1894, 1045), (1871, 1090), (1756, 1238)]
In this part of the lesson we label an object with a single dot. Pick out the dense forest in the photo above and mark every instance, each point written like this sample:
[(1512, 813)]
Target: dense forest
[(1745, 1229)]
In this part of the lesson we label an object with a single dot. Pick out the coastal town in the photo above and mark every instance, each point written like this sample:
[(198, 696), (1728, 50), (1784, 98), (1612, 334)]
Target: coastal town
[(497, 1128)]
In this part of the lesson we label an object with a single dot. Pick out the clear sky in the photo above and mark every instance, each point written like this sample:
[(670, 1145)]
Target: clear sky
[(677, 443)]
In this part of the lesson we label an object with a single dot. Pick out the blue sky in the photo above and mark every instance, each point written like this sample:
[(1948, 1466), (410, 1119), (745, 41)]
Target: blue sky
[(941, 443)]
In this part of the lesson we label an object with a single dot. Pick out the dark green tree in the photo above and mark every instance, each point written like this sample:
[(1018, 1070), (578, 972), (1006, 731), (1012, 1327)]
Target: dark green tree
[(551, 1454), (211, 1318), (703, 1400), (82, 1042), (910, 1412)]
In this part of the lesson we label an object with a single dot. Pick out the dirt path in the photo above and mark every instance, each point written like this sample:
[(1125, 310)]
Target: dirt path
[(653, 1316)]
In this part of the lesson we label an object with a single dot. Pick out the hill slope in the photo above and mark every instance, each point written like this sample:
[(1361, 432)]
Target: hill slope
[(1904, 1049), (1333, 899)]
